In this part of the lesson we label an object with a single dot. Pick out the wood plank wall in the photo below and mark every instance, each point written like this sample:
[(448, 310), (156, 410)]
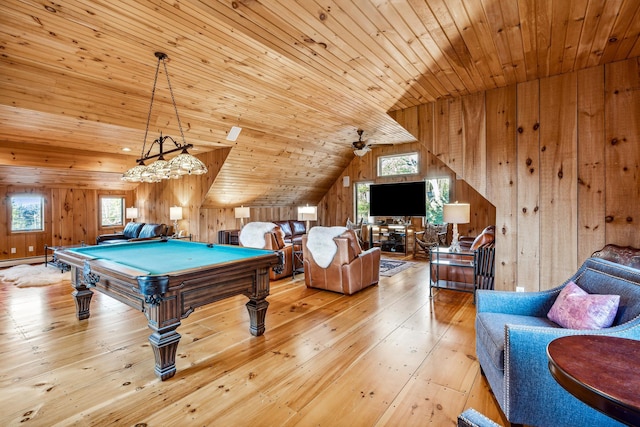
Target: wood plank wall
[(71, 218), (561, 160)]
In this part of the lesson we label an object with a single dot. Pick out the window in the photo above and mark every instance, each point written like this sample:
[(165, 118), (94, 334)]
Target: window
[(362, 201), (437, 196), (27, 213), (111, 211), (399, 164)]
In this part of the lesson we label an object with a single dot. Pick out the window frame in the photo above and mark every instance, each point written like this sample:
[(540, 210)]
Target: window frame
[(42, 213), (122, 198), (380, 159), (431, 202), (355, 200)]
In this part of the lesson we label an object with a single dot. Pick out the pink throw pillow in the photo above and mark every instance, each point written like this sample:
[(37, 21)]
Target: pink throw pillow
[(576, 309)]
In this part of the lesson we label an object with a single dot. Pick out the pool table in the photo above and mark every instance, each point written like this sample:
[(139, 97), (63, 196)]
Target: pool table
[(167, 280)]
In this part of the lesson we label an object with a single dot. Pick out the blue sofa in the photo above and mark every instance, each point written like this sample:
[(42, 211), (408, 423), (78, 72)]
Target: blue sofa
[(512, 334), (134, 231)]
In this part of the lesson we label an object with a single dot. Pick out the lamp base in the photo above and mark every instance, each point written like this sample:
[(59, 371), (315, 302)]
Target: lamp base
[(176, 232), (455, 243)]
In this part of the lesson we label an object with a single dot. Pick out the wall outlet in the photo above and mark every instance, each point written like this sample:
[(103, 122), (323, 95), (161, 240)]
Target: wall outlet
[(13, 250), (30, 248), (519, 288)]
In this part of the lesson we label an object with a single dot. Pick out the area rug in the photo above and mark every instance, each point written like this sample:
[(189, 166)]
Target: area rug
[(25, 275), (389, 267)]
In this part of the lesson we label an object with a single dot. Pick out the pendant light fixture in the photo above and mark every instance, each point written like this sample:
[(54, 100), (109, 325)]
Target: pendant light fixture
[(183, 164)]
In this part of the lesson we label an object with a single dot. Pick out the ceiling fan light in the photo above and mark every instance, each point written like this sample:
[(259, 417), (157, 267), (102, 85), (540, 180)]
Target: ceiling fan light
[(361, 152)]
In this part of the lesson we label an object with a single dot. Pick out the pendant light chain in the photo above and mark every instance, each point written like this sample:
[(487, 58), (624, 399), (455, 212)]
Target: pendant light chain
[(153, 94), (174, 101)]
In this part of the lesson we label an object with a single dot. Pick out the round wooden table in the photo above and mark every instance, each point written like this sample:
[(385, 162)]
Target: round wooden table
[(600, 370)]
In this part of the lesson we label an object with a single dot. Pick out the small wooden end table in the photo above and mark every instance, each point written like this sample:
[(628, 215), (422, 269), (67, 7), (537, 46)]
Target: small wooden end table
[(600, 370)]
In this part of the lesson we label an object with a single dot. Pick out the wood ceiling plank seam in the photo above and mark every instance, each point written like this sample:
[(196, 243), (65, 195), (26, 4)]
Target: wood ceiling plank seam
[(511, 16), (478, 19), (330, 154), (630, 38), (529, 39), (62, 26), (575, 26), (605, 25), (434, 44), (543, 35), (595, 8), (280, 79), (442, 70), (61, 158), (469, 33), (344, 23), (348, 46), (623, 21), (403, 36), (464, 63), (141, 119), (421, 92), (291, 53), (497, 24), (559, 26), (425, 64)]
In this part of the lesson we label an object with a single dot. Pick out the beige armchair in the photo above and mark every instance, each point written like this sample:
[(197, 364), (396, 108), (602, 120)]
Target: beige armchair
[(350, 270)]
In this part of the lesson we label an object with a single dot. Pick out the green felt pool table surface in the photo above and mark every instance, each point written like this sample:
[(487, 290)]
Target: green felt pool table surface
[(168, 256)]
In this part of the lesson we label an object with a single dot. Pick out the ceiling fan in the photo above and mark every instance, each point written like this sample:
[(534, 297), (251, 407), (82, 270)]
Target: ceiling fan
[(360, 147)]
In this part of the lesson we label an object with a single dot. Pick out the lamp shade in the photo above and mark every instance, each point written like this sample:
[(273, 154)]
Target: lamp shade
[(131, 213), (242, 212), (307, 213), (175, 213), (456, 213)]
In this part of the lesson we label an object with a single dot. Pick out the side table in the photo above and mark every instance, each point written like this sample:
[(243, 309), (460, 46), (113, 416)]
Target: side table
[(463, 259), (297, 259), (600, 370)]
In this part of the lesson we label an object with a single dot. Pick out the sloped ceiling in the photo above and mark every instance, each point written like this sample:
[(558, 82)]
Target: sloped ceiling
[(299, 78)]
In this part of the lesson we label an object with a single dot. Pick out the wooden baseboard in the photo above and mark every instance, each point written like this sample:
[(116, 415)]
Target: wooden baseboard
[(17, 261)]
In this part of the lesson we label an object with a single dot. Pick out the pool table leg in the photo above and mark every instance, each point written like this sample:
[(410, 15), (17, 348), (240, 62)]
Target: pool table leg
[(82, 295), (257, 313), (164, 319), (165, 346)]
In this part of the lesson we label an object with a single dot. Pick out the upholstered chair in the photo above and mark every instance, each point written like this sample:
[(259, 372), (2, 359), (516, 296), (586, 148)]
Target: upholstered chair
[(434, 235), (472, 418), (513, 331), (334, 261), (267, 235)]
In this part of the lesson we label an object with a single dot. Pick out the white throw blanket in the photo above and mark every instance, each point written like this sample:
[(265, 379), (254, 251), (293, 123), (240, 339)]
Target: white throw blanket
[(25, 275), (252, 234), (321, 245)]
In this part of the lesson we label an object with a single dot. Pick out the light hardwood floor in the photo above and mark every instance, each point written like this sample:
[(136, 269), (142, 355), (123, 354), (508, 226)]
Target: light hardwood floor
[(387, 356)]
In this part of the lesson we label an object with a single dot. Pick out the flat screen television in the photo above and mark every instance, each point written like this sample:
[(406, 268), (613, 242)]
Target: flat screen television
[(398, 199)]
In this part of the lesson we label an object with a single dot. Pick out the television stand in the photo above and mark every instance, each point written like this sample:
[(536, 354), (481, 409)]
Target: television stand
[(391, 237)]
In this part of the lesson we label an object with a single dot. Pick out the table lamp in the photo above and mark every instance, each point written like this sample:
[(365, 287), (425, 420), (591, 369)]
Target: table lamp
[(242, 213), (456, 213), (132, 214), (307, 213), (175, 214)]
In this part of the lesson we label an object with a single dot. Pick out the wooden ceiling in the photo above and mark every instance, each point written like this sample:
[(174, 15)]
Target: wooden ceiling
[(300, 77)]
